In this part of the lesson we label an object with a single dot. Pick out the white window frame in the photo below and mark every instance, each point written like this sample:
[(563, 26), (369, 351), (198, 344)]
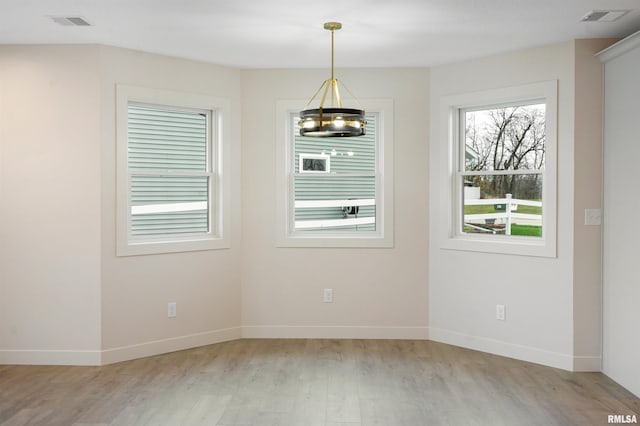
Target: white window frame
[(286, 235), (451, 209), (219, 154)]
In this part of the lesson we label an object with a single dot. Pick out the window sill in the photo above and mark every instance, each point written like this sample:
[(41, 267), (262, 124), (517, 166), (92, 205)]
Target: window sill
[(162, 247), (499, 245)]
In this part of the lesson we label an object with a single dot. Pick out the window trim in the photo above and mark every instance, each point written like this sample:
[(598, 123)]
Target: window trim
[(285, 236), (451, 236), (219, 154)]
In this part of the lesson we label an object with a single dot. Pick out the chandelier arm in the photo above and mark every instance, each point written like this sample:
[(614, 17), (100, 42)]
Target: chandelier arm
[(316, 94), (337, 92), (352, 95), (326, 90)]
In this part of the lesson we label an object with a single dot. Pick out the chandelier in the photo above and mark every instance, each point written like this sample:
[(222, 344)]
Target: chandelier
[(334, 120)]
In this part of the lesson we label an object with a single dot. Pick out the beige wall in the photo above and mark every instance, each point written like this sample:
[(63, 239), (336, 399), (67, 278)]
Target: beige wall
[(587, 271), (136, 289), (465, 287), (377, 292), (67, 297), (49, 204)]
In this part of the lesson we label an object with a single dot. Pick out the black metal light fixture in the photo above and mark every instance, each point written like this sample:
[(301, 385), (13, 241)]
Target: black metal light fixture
[(335, 120)]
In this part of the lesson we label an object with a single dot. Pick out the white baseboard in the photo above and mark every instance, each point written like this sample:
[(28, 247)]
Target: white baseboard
[(496, 347), (587, 363), (124, 353), (157, 347), (333, 332), (49, 357)]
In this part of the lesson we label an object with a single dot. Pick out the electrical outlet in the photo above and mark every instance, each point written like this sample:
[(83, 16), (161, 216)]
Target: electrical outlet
[(171, 309), (592, 217), (500, 312), (328, 295)]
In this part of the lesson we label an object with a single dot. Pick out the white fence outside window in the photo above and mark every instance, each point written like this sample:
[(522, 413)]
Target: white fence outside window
[(509, 216)]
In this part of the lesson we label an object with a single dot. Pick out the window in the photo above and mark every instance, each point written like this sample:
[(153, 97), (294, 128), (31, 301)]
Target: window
[(501, 171), (170, 187), (503, 163), (336, 191)]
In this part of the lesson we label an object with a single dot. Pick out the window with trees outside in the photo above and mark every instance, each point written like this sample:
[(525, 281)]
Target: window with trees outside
[(502, 169)]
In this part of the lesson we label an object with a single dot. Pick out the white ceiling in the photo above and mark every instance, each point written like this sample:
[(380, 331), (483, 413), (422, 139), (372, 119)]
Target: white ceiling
[(289, 33)]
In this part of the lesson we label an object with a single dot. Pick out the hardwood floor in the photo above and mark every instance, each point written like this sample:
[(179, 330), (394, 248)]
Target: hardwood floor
[(312, 383)]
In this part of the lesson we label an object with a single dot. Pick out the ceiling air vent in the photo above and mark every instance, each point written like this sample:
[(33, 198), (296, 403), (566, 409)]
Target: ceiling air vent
[(603, 15), (75, 21)]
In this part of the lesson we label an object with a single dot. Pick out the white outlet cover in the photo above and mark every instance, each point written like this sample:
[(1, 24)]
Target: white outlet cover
[(171, 309), (592, 217), (500, 312)]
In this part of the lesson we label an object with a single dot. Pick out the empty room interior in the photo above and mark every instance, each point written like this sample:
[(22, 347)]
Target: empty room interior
[(342, 213)]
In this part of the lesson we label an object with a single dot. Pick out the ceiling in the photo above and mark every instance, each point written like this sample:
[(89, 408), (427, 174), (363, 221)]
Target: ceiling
[(290, 34)]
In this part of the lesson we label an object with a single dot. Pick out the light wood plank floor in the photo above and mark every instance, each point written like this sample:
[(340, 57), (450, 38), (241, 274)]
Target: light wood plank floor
[(312, 383)]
